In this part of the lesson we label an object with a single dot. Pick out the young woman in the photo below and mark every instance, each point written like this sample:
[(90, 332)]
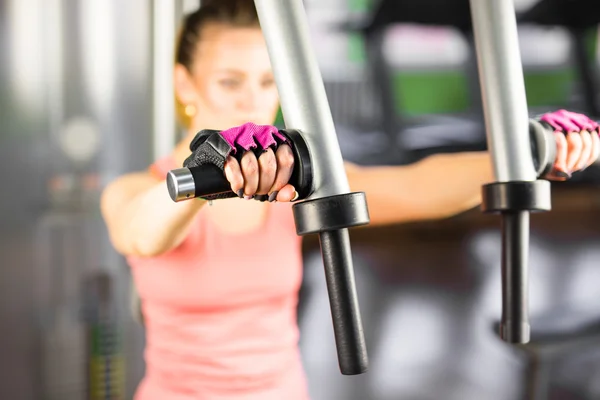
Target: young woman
[(219, 283)]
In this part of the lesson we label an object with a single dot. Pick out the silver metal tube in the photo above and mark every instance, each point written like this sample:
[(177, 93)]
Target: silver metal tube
[(164, 28), (301, 90), (503, 89)]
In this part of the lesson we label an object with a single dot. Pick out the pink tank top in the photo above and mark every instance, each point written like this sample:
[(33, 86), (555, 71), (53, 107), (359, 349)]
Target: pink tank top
[(220, 312)]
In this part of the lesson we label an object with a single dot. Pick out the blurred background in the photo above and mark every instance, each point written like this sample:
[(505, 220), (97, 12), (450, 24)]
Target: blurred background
[(86, 95)]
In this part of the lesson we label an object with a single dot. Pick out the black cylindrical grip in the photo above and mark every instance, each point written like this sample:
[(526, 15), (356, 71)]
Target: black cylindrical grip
[(515, 247), (208, 180), (347, 325)]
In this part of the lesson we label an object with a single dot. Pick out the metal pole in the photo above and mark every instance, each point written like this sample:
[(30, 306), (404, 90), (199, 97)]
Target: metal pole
[(330, 209), (302, 93), (515, 277), (163, 110), (503, 89), (507, 128)]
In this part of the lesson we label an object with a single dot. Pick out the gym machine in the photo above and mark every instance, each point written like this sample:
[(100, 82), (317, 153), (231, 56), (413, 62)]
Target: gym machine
[(522, 150), (326, 205), (517, 191)]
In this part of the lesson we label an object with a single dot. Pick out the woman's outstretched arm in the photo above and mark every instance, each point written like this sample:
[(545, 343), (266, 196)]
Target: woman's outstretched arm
[(141, 218), (443, 185), (439, 186)]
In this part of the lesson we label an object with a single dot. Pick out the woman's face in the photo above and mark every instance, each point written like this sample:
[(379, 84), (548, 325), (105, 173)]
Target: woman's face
[(232, 78)]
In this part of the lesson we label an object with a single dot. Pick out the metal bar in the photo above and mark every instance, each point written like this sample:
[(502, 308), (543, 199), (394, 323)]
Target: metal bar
[(515, 243), (163, 110), (507, 129), (347, 323), (302, 92), (503, 89), (305, 107)]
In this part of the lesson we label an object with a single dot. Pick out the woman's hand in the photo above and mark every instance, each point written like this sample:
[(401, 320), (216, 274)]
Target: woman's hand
[(264, 169), (265, 178), (257, 160), (577, 142)]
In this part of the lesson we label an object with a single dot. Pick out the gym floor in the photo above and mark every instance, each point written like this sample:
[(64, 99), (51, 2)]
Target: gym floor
[(430, 299)]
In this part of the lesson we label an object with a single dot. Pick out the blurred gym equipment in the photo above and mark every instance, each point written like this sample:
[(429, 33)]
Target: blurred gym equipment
[(75, 107), (450, 133), (54, 87), (581, 18)]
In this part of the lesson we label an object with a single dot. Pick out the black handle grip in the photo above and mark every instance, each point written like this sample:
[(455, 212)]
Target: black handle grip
[(209, 180), (188, 183), (347, 326), (330, 217), (514, 327)]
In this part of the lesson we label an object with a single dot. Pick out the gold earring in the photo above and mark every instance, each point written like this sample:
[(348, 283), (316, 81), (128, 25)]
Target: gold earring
[(190, 110)]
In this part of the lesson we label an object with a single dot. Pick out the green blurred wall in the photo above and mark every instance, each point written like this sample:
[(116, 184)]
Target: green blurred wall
[(446, 91)]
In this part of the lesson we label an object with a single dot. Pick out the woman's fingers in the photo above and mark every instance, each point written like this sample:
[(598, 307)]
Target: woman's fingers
[(562, 151), (579, 147), (586, 151), (267, 166), (575, 152), (233, 173), (575, 143), (266, 176), (595, 149), (287, 193), (250, 171), (280, 189)]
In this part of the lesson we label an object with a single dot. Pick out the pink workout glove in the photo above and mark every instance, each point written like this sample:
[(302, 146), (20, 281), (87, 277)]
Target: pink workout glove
[(213, 147), (575, 152)]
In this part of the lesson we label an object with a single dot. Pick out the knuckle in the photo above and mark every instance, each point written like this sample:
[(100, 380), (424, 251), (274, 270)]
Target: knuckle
[(251, 167), (287, 159), (271, 164), (229, 165), (268, 160), (247, 159)]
